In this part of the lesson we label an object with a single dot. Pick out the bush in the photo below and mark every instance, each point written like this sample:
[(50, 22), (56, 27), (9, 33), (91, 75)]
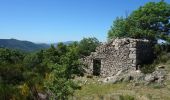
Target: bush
[(161, 48), (157, 86), (148, 68), (126, 97), (161, 58)]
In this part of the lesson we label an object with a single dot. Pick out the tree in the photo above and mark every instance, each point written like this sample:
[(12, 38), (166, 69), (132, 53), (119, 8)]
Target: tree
[(63, 62), (10, 56), (51, 55), (49, 71), (119, 28), (71, 61), (10, 73), (88, 45), (61, 48), (151, 21), (56, 83)]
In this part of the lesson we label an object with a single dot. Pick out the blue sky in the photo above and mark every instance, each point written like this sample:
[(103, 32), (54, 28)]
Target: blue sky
[(49, 21)]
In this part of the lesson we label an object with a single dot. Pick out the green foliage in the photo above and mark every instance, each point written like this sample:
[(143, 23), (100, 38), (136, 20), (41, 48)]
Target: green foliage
[(119, 28), (48, 71), (150, 21), (71, 60), (157, 86), (25, 46), (160, 48), (32, 60), (10, 56), (148, 68), (87, 45), (162, 57), (5, 91), (11, 73), (10, 66), (58, 85), (61, 48), (153, 19), (63, 63), (51, 55), (126, 97)]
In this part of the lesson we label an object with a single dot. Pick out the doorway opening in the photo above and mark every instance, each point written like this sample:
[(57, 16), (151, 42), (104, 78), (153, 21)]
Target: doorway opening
[(137, 67), (96, 67)]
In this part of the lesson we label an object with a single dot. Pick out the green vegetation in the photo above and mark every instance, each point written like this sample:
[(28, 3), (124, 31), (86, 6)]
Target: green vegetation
[(150, 21), (25, 46), (88, 45), (93, 90), (162, 55), (24, 75), (52, 71), (126, 97)]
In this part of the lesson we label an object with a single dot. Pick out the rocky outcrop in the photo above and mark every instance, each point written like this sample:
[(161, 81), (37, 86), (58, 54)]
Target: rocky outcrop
[(158, 76), (124, 77)]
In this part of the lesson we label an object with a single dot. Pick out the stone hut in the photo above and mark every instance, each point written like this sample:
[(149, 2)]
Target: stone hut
[(119, 54)]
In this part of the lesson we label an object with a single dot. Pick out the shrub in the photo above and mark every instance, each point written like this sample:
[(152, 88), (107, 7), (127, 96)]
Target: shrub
[(126, 97), (148, 68), (163, 57)]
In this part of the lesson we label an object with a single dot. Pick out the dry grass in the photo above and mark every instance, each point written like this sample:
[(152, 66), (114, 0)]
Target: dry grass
[(92, 90), (113, 91)]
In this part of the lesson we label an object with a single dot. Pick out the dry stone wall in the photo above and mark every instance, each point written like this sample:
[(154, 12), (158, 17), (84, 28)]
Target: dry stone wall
[(119, 55)]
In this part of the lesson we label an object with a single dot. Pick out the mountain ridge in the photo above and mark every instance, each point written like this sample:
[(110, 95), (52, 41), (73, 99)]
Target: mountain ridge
[(27, 46), (21, 45)]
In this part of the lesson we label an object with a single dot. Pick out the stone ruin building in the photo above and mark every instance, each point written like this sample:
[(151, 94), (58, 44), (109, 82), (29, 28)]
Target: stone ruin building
[(119, 54)]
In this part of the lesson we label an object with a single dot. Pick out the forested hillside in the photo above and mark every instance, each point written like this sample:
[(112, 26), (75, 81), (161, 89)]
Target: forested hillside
[(22, 45)]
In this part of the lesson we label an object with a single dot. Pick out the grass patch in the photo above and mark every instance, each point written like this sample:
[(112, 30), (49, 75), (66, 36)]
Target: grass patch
[(99, 89), (127, 91), (126, 97), (157, 86), (121, 91)]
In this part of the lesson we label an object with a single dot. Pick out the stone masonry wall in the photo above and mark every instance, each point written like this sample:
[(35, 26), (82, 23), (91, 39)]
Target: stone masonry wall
[(120, 54)]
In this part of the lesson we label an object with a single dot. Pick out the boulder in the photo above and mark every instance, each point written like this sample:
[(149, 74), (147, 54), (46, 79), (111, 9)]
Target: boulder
[(149, 78), (43, 96), (158, 76), (112, 79)]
